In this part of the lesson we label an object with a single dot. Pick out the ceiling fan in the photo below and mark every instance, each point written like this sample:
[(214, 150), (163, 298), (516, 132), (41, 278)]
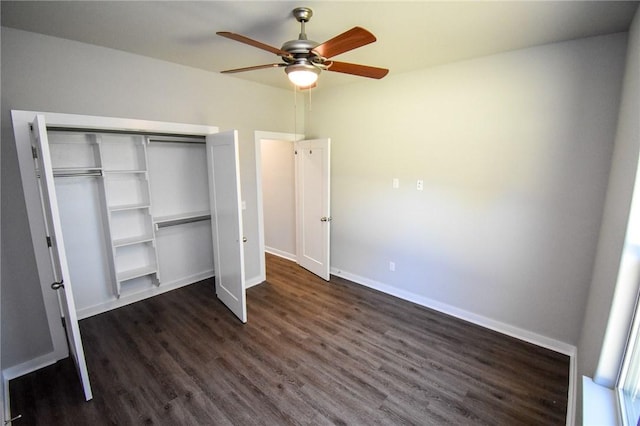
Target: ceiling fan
[(304, 59)]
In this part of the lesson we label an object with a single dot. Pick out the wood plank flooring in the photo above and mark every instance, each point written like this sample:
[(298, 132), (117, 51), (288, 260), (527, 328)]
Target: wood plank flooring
[(312, 353)]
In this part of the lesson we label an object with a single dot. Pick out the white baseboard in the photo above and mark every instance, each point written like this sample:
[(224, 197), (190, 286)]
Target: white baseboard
[(280, 253), (29, 366), (154, 291), (141, 295), (500, 327), (253, 281)]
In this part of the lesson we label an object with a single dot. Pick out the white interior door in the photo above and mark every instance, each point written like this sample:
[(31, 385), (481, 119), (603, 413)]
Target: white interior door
[(58, 255), (226, 220), (313, 212)]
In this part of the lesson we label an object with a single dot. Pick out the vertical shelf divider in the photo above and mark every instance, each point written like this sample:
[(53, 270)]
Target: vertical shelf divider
[(149, 216), (132, 251), (106, 219)]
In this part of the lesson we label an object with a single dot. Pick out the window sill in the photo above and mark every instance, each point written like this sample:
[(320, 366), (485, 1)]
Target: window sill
[(598, 404)]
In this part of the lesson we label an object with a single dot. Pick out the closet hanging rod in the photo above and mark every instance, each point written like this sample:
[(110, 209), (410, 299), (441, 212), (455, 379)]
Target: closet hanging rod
[(194, 138), (174, 222), (63, 173), (175, 139)]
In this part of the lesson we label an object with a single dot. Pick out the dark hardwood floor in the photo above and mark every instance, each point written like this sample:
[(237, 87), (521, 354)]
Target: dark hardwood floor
[(312, 353)]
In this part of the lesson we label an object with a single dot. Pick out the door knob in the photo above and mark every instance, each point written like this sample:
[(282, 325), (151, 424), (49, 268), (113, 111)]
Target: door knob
[(325, 219), (244, 239), (57, 285)]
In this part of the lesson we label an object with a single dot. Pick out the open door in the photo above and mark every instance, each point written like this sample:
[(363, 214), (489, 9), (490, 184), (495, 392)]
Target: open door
[(226, 221), (62, 278), (313, 213)]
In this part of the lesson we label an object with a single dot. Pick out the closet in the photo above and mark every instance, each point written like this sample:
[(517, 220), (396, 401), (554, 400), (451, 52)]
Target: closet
[(121, 210), (135, 213)]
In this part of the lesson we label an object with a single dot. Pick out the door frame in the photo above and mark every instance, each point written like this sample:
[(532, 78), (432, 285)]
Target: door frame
[(21, 123), (259, 137)]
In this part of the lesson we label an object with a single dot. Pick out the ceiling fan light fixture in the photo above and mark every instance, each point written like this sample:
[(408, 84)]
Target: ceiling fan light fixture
[(302, 74)]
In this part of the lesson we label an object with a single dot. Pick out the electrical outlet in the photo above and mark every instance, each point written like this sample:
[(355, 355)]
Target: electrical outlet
[(420, 185), (392, 266), (396, 183)]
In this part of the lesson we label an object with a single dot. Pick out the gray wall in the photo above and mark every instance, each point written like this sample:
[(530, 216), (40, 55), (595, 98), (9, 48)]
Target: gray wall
[(514, 150), (48, 74), (614, 225)]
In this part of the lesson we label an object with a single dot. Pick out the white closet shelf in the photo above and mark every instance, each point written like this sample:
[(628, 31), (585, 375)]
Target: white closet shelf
[(204, 214), (180, 219), (129, 207), (136, 273), (132, 240)]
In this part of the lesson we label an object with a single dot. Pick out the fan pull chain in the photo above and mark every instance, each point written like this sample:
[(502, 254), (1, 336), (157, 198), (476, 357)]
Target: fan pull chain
[(295, 110), (305, 116)]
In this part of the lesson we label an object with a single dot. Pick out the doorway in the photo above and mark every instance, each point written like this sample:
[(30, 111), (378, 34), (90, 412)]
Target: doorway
[(293, 187), (275, 184)]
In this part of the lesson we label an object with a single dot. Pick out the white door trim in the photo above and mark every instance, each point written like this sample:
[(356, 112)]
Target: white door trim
[(259, 137)]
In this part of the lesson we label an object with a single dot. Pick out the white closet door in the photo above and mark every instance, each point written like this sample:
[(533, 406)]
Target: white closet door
[(226, 220), (58, 254), (313, 212)]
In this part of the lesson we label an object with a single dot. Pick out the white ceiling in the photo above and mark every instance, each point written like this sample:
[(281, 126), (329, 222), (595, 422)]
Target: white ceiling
[(411, 35)]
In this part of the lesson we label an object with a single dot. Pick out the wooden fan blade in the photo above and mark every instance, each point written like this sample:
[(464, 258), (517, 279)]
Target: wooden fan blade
[(256, 67), (355, 69), (254, 43), (348, 40)]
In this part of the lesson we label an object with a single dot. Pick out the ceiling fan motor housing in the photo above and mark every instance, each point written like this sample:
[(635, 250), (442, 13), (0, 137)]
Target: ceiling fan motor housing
[(299, 46), (302, 57)]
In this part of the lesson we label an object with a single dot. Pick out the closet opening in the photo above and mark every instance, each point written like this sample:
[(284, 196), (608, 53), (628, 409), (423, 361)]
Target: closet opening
[(129, 209)]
